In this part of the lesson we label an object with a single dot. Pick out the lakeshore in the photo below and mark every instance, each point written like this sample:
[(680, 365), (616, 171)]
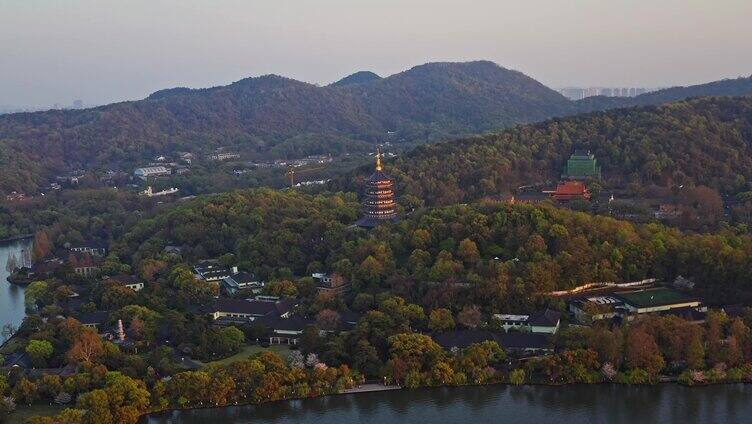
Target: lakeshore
[(494, 403), (16, 238)]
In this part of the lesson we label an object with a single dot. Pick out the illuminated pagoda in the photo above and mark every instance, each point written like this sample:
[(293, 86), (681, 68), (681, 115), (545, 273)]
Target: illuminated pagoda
[(378, 201)]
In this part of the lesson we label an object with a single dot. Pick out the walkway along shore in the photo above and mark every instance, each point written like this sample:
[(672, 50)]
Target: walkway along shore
[(16, 238)]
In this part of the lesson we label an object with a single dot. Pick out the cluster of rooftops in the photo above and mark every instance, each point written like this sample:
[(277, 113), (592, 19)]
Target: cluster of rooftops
[(626, 305)]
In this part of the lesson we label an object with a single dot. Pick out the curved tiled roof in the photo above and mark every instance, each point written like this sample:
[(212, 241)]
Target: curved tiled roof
[(379, 176)]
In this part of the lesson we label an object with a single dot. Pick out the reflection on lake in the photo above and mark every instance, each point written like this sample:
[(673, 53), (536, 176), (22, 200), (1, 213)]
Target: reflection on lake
[(11, 296), (498, 404)]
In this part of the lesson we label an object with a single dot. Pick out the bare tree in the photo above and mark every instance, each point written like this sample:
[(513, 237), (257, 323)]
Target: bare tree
[(12, 263)]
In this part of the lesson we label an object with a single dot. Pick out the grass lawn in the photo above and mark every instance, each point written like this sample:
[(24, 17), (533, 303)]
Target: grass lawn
[(248, 350), (23, 413)]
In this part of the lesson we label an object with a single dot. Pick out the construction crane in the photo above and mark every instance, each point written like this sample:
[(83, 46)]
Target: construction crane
[(291, 173)]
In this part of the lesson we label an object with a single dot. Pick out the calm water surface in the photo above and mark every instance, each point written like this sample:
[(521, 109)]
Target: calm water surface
[(498, 404), (11, 296)]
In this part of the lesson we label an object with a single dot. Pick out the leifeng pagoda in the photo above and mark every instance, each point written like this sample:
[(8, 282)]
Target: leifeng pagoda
[(378, 200)]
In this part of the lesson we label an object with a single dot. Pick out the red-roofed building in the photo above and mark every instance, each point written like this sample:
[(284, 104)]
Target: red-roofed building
[(570, 190)]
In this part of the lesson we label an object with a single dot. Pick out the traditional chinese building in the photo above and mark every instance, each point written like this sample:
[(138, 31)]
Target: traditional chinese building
[(582, 165), (379, 205), (569, 190)]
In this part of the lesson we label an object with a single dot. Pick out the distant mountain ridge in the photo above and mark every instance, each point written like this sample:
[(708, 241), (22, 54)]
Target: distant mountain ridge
[(733, 87), (274, 117)]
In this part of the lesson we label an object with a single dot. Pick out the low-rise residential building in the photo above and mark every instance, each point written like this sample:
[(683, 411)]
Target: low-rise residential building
[(176, 251), (250, 310), (696, 315), (512, 322), (15, 196), (212, 270), (91, 247), (283, 326), (149, 192), (286, 330), (84, 264), (97, 320), (545, 321), (514, 342), (151, 171), (655, 300), (130, 281), (223, 156), (331, 284), (241, 281), (587, 309)]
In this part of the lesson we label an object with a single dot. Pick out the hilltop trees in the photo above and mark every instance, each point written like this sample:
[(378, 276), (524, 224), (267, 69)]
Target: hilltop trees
[(697, 142), (505, 253)]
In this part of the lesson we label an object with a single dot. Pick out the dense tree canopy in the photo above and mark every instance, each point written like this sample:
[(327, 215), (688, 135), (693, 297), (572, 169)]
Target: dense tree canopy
[(696, 142)]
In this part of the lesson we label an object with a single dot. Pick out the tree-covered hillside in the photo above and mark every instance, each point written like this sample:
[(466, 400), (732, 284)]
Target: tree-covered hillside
[(705, 141), (271, 116), (728, 87), (496, 255)]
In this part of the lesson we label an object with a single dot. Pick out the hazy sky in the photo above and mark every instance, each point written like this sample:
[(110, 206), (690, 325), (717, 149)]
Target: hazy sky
[(103, 51)]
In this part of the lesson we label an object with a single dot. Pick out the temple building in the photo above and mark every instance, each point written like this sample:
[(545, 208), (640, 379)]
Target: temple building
[(379, 205), (582, 165), (569, 190)]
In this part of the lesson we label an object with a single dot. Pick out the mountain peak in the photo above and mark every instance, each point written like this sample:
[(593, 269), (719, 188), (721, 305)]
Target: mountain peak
[(360, 77)]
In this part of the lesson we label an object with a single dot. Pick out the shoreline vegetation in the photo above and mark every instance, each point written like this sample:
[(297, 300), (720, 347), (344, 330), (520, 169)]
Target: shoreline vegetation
[(329, 381), (368, 388), (664, 380)]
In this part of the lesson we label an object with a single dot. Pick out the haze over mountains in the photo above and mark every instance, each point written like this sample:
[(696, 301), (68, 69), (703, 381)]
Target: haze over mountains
[(274, 117)]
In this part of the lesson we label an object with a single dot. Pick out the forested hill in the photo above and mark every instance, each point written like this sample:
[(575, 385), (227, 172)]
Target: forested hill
[(701, 141), (272, 116), (552, 249)]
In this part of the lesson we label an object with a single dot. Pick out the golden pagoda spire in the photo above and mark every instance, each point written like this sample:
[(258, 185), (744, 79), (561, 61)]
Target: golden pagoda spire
[(378, 159)]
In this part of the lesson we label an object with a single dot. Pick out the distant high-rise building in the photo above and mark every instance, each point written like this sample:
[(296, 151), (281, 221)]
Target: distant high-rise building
[(577, 93), (78, 104)]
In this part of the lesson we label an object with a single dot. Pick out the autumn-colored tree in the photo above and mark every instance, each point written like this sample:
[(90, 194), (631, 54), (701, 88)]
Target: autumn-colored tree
[(642, 352), (87, 348), (470, 316), (468, 251), (420, 238), (150, 268), (96, 403), (25, 391), (50, 385), (739, 330), (116, 296), (441, 319), (281, 288), (418, 351), (42, 246), (328, 319), (517, 376)]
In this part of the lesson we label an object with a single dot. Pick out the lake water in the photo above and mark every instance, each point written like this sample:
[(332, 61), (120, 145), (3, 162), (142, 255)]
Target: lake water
[(11, 296), (669, 403)]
